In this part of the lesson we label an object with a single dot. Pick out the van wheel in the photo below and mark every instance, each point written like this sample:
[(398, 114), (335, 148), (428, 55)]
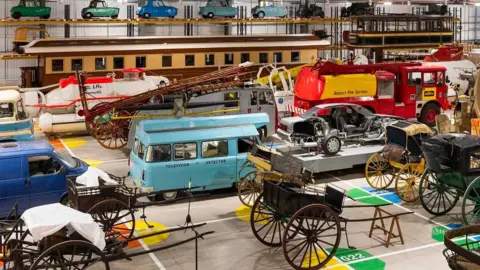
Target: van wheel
[(261, 15), (46, 17), (167, 196), (64, 200), (16, 15), (210, 15), (260, 133), (114, 16)]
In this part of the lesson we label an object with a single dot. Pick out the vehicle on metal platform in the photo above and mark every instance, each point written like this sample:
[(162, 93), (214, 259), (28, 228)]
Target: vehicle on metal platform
[(218, 8), (30, 8), (357, 9), (309, 10), (210, 156), (57, 110), (156, 9), (351, 123), (21, 37), (98, 8), (15, 122), (34, 173), (268, 9), (408, 90)]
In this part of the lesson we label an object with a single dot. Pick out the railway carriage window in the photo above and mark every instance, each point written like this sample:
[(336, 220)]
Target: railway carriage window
[(277, 57), (21, 113), (100, 63), (158, 153), (245, 145), (263, 58), (77, 64), (141, 62), (57, 65), (166, 60), (414, 78), (428, 78), (295, 57), (184, 151), (118, 63), (229, 59), (189, 60), (42, 165), (212, 149), (209, 59), (244, 57)]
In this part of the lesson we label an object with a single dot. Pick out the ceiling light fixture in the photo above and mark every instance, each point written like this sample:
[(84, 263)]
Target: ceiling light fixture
[(387, 3), (477, 4)]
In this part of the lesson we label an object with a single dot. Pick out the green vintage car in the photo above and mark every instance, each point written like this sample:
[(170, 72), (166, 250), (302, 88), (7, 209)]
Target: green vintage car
[(30, 8), (98, 8)]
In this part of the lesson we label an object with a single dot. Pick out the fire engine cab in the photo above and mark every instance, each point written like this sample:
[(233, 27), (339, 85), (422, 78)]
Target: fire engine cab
[(408, 90)]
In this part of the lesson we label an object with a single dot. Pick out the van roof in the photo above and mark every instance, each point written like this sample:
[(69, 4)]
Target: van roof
[(198, 134), (9, 95), (160, 125), (19, 148)]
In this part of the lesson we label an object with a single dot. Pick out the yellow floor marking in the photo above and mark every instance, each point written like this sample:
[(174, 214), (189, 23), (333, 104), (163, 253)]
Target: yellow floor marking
[(142, 229), (74, 142), (93, 162), (243, 212), (321, 256)]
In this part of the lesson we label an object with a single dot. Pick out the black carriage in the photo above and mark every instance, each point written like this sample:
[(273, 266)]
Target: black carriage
[(452, 171), (401, 160), (109, 207)]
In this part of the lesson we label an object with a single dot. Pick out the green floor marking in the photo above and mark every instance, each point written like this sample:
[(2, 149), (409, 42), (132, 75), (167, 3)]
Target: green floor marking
[(471, 244), (373, 201), (349, 256), (373, 264), (357, 192), (438, 233)]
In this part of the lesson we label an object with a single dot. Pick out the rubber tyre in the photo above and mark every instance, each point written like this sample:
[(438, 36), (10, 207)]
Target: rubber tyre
[(335, 140), (261, 15), (46, 17), (210, 15), (88, 16), (428, 114), (16, 15), (146, 16), (114, 16), (261, 133), (167, 196)]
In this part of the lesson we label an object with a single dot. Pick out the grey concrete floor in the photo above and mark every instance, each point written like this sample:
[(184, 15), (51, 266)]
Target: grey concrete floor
[(233, 245)]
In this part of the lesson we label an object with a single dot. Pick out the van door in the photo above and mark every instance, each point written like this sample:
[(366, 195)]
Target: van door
[(266, 104), (46, 180), (12, 186), (218, 163)]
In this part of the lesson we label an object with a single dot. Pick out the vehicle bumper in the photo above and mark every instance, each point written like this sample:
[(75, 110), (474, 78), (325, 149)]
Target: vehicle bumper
[(282, 134)]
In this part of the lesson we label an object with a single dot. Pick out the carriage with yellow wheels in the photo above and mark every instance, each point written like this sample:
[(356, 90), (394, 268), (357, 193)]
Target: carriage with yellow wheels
[(264, 163), (401, 160)]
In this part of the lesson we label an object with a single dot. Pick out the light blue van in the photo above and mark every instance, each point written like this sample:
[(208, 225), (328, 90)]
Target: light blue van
[(15, 123), (211, 156)]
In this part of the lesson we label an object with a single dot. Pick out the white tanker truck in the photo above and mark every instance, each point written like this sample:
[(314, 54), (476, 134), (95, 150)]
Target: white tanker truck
[(57, 110)]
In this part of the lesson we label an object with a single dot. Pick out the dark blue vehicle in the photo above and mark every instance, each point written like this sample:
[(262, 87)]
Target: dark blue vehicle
[(156, 9), (33, 173)]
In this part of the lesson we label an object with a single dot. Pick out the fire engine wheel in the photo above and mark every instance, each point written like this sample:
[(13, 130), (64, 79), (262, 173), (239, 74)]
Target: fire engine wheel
[(112, 133), (428, 114), (331, 146), (378, 171)]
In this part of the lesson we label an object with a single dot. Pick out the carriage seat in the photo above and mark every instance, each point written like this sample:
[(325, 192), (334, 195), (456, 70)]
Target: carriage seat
[(334, 198)]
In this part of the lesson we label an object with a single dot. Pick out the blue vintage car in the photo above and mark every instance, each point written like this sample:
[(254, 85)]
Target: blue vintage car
[(157, 9), (34, 173), (268, 10), (218, 8), (210, 153), (15, 123)]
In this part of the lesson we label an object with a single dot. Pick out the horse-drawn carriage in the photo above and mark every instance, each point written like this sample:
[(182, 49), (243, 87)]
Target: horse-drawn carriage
[(462, 252), (93, 232), (401, 160)]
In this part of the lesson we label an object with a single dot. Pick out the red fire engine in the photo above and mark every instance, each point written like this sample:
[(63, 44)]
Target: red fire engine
[(408, 90)]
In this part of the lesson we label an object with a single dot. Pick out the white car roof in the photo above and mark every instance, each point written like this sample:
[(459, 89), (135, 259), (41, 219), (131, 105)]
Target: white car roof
[(9, 95)]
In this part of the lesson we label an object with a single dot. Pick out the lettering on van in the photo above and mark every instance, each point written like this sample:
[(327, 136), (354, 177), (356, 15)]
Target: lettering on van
[(221, 161), (177, 165)]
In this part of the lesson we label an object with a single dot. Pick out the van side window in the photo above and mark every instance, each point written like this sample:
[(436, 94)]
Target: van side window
[(158, 153), (138, 149), (245, 144), (42, 165), (212, 149), (184, 151)]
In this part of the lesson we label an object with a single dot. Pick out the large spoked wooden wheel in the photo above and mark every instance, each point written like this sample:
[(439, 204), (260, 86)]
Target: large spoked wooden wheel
[(318, 229), (471, 203), (112, 133), (115, 218), (267, 225), (71, 255), (436, 197), (249, 188), (407, 182), (378, 171)]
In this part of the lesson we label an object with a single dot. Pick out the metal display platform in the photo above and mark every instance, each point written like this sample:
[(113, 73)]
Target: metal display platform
[(345, 159)]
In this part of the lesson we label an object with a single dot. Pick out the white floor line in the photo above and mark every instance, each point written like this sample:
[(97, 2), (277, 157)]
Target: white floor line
[(404, 208), (146, 248), (67, 148)]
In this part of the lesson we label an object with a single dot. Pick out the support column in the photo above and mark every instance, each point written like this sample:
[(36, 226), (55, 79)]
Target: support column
[(131, 16), (67, 17), (188, 14)]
